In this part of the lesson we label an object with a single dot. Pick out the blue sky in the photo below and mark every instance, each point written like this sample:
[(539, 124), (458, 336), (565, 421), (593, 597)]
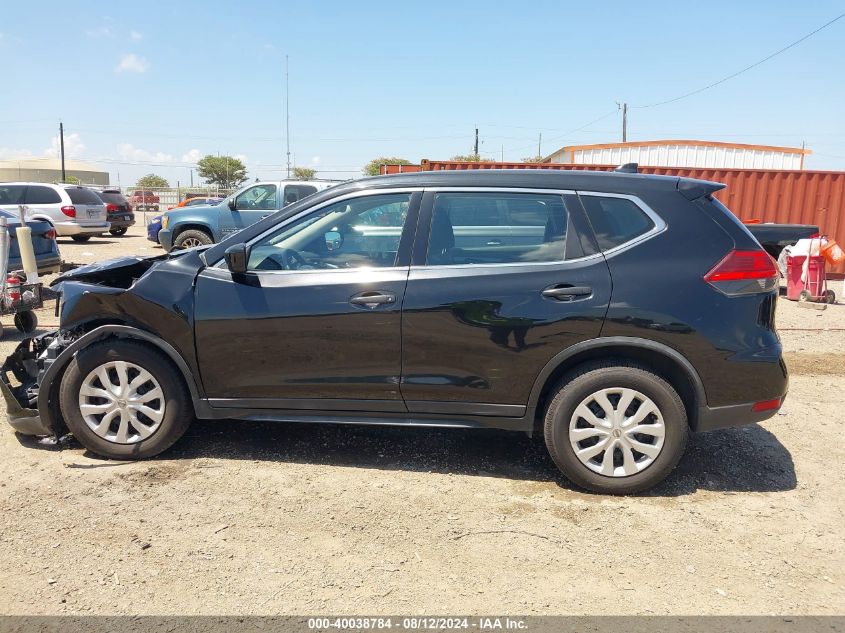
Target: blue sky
[(151, 86)]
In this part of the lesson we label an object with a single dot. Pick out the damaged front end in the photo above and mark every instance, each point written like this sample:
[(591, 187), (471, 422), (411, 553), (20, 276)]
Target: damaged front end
[(28, 364), (112, 298)]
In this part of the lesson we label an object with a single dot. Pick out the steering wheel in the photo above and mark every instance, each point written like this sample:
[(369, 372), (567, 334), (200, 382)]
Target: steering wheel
[(283, 259)]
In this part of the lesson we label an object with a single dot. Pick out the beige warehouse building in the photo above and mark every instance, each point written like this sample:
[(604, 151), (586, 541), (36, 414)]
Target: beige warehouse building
[(50, 170)]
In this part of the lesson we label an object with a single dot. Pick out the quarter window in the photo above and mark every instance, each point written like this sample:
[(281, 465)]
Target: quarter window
[(42, 195), (615, 220), (356, 233), (497, 228)]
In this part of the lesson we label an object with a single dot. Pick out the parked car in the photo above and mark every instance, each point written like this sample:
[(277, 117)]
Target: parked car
[(191, 227), (144, 200), (74, 211), (199, 201), (47, 257), (153, 227), (610, 313), (118, 210)]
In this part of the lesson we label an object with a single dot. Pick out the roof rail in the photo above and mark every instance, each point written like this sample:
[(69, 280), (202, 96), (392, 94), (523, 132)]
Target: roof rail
[(628, 168)]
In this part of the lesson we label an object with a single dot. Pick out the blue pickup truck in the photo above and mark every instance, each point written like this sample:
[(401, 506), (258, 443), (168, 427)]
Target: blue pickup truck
[(198, 225)]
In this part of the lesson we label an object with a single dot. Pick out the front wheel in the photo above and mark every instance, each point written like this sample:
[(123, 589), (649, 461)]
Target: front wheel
[(26, 321), (119, 231), (80, 238), (615, 427), (192, 238), (124, 400)]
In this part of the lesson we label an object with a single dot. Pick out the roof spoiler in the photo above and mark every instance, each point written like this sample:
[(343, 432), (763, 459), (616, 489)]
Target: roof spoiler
[(628, 168), (692, 189)]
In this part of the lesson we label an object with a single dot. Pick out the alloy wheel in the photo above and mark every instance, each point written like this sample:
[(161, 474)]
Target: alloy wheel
[(617, 432), (121, 402)]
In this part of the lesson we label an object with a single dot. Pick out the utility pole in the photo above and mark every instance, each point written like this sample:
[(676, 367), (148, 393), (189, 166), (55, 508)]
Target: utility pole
[(624, 122), (287, 111), (540, 145), (62, 148), (475, 151)]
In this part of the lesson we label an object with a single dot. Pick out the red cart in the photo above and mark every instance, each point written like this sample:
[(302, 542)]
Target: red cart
[(814, 285)]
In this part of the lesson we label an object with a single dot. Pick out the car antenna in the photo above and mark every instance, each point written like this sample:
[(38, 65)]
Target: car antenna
[(628, 168)]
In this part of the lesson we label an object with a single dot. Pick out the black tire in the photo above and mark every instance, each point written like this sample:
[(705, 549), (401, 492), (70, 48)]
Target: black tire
[(26, 322), (192, 235), (80, 238), (118, 232), (178, 411), (589, 379)]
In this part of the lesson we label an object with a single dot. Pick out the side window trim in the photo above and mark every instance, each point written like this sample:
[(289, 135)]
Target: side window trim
[(659, 223), (420, 249)]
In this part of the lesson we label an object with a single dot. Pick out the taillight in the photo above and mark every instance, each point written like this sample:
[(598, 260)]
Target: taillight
[(744, 272), (50, 234), (69, 211), (112, 208)]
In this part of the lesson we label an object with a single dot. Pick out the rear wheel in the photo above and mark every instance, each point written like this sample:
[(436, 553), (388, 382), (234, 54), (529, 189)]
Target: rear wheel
[(80, 238), (119, 231), (192, 238), (829, 296), (615, 427), (124, 400)]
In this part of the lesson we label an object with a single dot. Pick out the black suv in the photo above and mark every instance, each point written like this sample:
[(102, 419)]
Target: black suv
[(118, 211), (610, 313)]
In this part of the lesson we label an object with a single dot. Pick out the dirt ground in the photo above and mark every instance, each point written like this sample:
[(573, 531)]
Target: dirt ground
[(255, 518)]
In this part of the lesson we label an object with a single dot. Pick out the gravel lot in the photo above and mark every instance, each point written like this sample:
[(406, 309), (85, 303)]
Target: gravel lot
[(252, 518)]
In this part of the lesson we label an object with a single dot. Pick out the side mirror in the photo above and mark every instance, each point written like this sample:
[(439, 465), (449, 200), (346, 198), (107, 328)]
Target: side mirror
[(236, 257), (334, 240), (233, 204)]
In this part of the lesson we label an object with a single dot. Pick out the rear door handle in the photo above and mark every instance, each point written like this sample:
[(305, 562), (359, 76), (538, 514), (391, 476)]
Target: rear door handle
[(567, 293), (372, 299)]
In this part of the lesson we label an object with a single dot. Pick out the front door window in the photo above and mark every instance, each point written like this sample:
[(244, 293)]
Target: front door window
[(360, 232), (257, 198)]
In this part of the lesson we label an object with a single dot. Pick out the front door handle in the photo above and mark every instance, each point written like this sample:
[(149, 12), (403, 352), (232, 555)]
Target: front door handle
[(372, 299), (567, 293)]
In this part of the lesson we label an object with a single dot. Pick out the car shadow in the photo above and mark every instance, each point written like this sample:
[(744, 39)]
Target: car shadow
[(91, 242), (744, 459)]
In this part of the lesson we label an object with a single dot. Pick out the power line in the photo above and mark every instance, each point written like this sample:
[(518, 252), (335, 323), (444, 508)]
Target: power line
[(747, 68)]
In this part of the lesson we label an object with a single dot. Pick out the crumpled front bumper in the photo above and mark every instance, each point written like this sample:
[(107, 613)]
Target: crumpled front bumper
[(24, 420), (23, 364)]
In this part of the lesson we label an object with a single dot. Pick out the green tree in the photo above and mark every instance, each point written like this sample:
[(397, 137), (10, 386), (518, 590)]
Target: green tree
[(226, 171), (152, 181), (533, 159), (373, 167), (72, 180), (304, 173), (471, 158)]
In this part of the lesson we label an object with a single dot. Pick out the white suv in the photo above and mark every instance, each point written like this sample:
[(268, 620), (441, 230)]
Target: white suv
[(74, 211)]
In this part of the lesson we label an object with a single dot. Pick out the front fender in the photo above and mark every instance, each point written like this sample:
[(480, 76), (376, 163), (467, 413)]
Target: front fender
[(46, 408)]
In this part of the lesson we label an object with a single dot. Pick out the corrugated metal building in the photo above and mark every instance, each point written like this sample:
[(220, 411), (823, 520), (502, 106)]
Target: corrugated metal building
[(50, 170), (683, 153), (784, 196)]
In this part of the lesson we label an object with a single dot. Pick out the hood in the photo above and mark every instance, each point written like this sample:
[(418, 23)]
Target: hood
[(113, 272), (121, 272)]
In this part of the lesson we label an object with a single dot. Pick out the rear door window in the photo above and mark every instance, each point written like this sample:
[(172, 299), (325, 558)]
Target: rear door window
[(499, 228), (81, 195), (36, 194), (615, 221), (297, 192)]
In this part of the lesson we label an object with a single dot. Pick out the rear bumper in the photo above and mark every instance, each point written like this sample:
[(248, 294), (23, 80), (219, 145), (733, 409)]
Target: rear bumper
[(72, 228), (119, 223), (713, 418)]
